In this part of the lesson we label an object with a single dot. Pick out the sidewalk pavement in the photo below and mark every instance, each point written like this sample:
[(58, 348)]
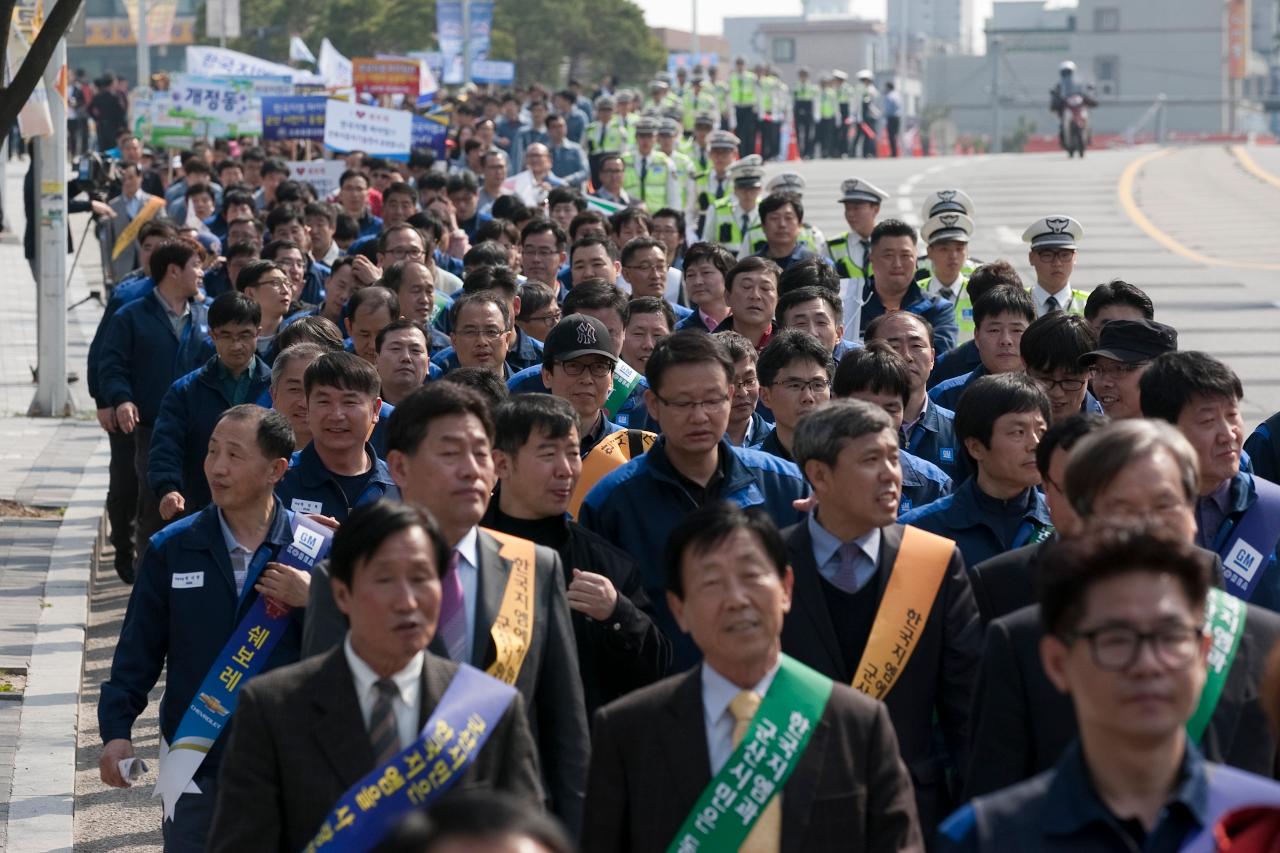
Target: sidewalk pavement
[(53, 480)]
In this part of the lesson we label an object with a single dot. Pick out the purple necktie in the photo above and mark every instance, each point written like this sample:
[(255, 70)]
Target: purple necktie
[(453, 613)]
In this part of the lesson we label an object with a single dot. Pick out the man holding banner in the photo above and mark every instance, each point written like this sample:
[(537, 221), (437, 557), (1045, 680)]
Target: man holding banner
[(243, 561), (380, 718), (752, 750), (883, 607)]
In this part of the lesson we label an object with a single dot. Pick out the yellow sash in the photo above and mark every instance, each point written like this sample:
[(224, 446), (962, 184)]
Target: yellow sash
[(154, 205), (613, 451), (904, 610), (512, 631)]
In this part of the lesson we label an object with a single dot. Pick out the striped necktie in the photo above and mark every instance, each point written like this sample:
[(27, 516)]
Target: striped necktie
[(384, 734), (453, 613)]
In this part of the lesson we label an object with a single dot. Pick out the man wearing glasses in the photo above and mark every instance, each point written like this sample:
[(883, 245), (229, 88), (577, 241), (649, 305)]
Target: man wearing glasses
[(692, 464), (794, 373), (1051, 349), (1125, 349), (1053, 256), (542, 251), (482, 331)]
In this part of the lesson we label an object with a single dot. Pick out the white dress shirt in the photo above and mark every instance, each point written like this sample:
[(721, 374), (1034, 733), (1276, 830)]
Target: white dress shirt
[(406, 705), (468, 549), (717, 693), (1040, 296)]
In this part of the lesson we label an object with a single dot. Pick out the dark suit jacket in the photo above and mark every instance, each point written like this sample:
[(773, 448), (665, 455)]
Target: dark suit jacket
[(298, 743), (649, 765), (1007, 582), (1022, 723), (548, 680), (940, 675)]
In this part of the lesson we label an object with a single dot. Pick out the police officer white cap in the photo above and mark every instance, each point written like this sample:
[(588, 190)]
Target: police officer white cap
[(668, 127), (787, 182), (856, 189), (722, 140), (837, 74), (946, 227), (605, 102), (865, 74), (657, 83), (647, 126), (625, 95), (947, 201), (1053, 232), (709, 119), (748, 172)]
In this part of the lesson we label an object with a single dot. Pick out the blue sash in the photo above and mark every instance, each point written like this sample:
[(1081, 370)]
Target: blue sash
[(1031, 532), (453, 736), (1229, 789), (244, 655), (1252, 541)]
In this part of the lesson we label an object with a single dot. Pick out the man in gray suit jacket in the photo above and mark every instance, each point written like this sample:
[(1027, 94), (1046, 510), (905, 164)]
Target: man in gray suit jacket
[(439, 442), (305, 734), (124, 207)]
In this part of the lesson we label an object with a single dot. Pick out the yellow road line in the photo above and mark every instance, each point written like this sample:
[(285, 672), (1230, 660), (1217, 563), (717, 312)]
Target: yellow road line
[(1251, 166), (1125, 191)]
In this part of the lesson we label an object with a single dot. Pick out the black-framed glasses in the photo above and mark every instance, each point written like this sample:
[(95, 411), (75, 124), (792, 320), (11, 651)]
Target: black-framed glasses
[(816, 387), (1068, 385), (599, 369), (1115, 648), (547, 320)]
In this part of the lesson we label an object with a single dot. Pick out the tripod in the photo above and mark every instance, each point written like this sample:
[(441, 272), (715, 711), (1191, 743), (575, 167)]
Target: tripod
[(94, 295)]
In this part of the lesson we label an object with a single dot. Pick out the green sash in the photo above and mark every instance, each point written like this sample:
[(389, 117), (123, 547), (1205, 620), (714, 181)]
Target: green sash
[(625, 380), (760, 765), (1224, 616)]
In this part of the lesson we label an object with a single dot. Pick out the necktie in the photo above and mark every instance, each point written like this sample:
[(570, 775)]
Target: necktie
[(719, 188), (644, 173), (604, 128), (453, 613), (852, 558), (1051, 305), (746, 218), (947, 294), (384, 734), (766, 835), (866, 256)]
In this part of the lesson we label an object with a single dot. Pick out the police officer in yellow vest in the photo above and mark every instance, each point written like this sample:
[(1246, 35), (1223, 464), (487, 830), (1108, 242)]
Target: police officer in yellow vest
[(729, 219), (828, 115), (649, 176), (627, 115), (810, 235), (804, 102), (1053, 242), (845, 93), (719, 89), (772, 106), (711, 184), (744, 95), (668, 133), (696, 100), (661, 98), (947, 236), (850, 251), (606, 133), (695, 146)]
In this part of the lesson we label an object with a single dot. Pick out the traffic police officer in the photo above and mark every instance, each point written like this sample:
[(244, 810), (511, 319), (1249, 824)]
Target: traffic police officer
[(844, 94), (695, 146), (850, 251), (649, 176), (713, 183), (628, 115), (744, 94), (729, 219), (1053, 257), (682, 165), (695, 100), (804, 99), (773, 112), (810, 236), (607, 133), (948, 235)]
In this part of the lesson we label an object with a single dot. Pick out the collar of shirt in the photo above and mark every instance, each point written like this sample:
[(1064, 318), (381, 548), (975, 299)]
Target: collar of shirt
[(1221, 496), (241, 556), (408, 683), (717, 693), (908, 426), (1040, 296), (952, 287), (707, 320), (826, 545), (468, 547), (173, 318)]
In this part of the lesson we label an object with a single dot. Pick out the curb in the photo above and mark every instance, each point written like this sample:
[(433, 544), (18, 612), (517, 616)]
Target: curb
[(42, 803)]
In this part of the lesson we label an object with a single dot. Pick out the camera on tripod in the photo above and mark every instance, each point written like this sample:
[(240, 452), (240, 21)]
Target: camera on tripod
[(96, 173)]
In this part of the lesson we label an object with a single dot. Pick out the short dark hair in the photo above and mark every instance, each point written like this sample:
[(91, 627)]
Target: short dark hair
[(636, 245), (989, 397), (156, 228), (321, 209), (630, 214), (371, 525), (411, 420), (284, 215), (1118, 292), (1174, 379), (479, 297), (873, 328), (892, 228), (349, 174), (400, 188), (345, 227), (393, 276), (751, 263), (273, 249), (511, 209), (596, 294), (989, 275), (342, 370), (1056, 341), (706, 529), (737, 346), (274, 434), (486, 253), (651, 305), (170, 253), (396, 326), (712, 253), (481, 380), (876, 368), (518, 416), (786, 347), (1003, 300), (823, 432), (495, 229), (373, 297), (314, 329), (486, 815), (566, 195), (234, 307), (1073, 565), (534, 296), (243, 249), (799, 295), (544, 226), (587, 242), (688, 346), (501, 279), (807, 272), (1064, 435), (384, 239), (237, 197), (776, 201), (672, 213), (200, 189), (588, 217), (462, 182)]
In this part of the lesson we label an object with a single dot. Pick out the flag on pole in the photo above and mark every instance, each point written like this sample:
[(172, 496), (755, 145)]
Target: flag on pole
[(299, 52)]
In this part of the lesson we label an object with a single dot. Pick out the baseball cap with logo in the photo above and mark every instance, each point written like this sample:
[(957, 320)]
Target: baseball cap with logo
[(575, 336)]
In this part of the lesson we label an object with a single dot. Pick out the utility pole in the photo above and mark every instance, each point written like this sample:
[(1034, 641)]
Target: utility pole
[(466, 42), (997, 119), (144, 46), (53, 398)]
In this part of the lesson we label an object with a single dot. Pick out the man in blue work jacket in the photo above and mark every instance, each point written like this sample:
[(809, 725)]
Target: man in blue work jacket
[(197, 581), (1000, 420), (339, 470), (149, 343), (692, 464), (1000, 316), (893, 287), (192, 405)]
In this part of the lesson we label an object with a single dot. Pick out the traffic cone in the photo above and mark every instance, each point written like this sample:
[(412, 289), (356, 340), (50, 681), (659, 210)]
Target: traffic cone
[(793, 150)]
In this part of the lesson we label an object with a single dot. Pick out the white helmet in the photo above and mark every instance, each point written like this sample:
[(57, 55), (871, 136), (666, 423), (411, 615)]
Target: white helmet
[(1067, 67)]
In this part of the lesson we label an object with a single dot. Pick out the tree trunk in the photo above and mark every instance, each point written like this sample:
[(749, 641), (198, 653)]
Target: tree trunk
[(30, 74)]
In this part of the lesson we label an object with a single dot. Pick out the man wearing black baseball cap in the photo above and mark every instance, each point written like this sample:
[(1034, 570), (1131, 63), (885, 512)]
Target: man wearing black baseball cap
[(1125, 348)]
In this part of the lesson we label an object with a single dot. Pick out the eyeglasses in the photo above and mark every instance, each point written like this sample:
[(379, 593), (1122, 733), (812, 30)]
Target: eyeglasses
[(599, 369), (277, 283), (746, 384), (410, 253), (1115, 648), (1069, 385), (687, 407), (547, 320), (1063, 255), (1119, 369), (291, 263), (474, 334), (816, 387)]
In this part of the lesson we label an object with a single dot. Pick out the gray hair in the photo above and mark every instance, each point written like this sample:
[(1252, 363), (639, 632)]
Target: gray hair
[(308, 350), (1101, 456), (822, 433)]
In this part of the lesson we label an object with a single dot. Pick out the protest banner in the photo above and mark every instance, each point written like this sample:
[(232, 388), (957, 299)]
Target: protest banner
[(293, 117), (386, 76), (321, 174), (376, 131)]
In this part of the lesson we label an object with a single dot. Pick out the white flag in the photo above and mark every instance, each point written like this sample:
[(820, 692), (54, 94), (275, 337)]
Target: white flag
[(299, 52), (333, 66)]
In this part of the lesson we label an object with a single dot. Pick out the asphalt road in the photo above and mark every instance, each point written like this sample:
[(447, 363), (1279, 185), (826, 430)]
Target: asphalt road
[(1193, 227)]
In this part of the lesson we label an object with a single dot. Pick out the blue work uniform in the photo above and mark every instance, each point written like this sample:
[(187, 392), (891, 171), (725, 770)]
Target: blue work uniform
[(958, 362), (309, 487), (940, 313), (933, 439), (922, 482), (633, 414), (981, 525), (1241, 495)]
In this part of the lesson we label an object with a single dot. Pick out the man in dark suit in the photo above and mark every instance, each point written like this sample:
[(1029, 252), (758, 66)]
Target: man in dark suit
[(844, 557), (439, 453), (656, 751), (1128, 471), (306, 734)]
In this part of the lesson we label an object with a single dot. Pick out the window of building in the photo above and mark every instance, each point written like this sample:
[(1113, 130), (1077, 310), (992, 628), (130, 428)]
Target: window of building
[(1106, 20), (1106, 73), (784, 50)]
